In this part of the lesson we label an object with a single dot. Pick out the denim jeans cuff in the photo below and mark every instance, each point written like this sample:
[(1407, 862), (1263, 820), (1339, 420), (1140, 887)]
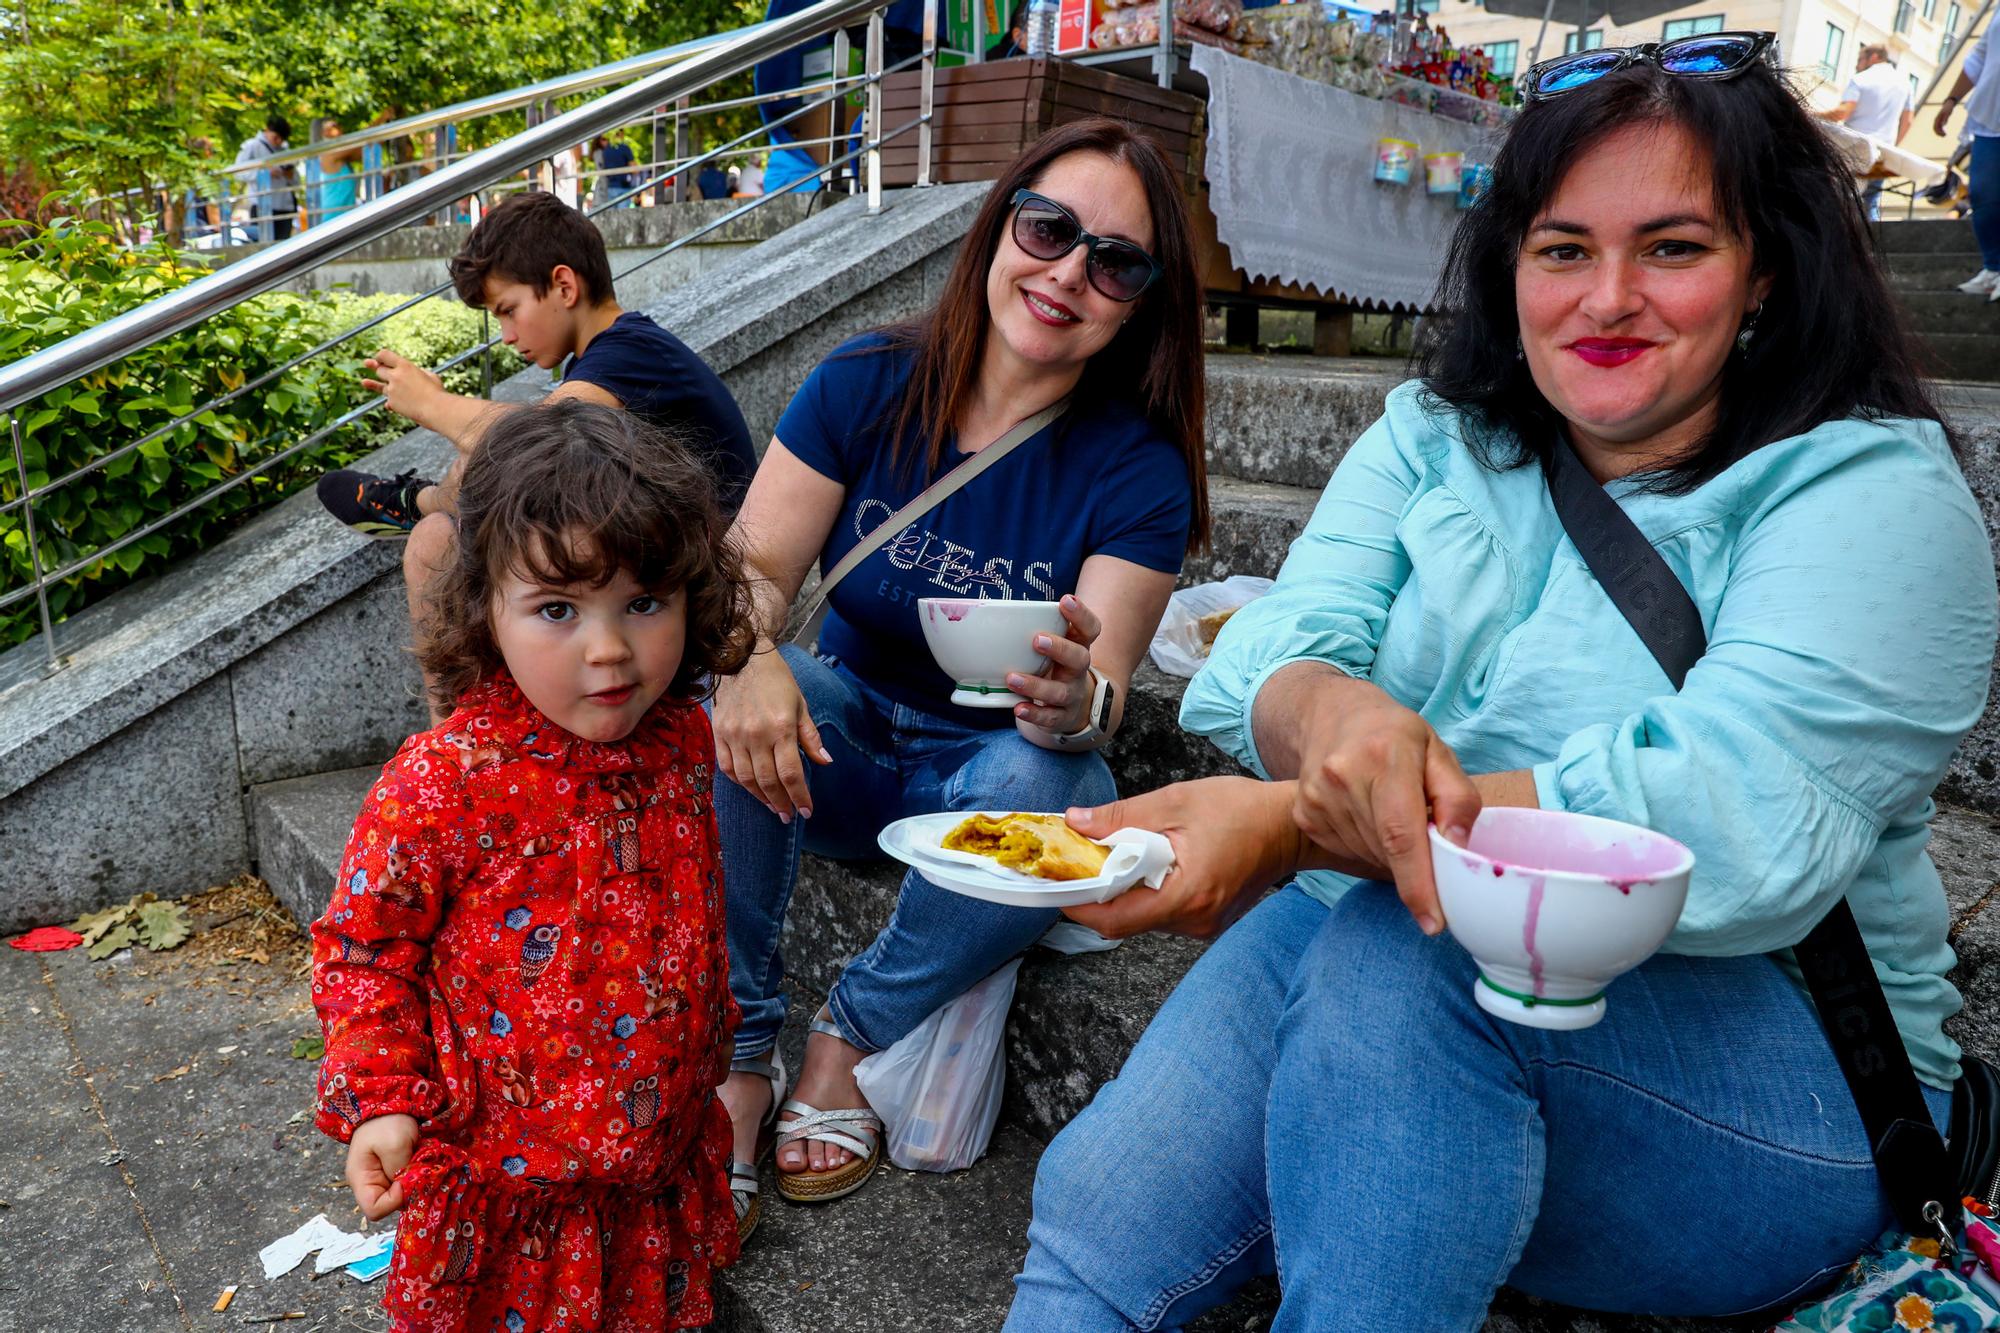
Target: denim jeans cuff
[(849, 1031), (760, 1049)]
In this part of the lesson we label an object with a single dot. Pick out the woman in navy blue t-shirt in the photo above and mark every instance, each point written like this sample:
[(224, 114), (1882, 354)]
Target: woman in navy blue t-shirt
[(1077, 278)]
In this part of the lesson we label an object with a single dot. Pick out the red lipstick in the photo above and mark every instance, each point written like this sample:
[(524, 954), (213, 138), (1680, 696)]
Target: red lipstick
[(1609, 351), (1069, 317)]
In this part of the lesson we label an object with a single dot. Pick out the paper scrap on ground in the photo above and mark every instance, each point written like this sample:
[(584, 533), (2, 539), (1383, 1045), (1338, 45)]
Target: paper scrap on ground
[(375, 1264), (281, 1256), (352, 1248)]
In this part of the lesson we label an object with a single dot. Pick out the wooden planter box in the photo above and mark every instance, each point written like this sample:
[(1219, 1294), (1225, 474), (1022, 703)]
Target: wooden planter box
[(984, 115)]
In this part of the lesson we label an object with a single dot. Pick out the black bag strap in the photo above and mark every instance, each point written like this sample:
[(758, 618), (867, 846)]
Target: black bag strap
[(1910, 1155)]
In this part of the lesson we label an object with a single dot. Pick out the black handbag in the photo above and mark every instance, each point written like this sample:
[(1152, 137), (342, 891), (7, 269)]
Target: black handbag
[(1925, 1179)]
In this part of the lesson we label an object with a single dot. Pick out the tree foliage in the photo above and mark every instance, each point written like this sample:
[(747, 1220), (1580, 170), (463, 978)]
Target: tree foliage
[(102, 97)]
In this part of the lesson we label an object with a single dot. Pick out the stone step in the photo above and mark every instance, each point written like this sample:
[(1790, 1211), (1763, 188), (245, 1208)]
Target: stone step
[(1948, 312), (1968, 356), (1254, 524), (1926, 236), (1931, 272), (1288, 419)]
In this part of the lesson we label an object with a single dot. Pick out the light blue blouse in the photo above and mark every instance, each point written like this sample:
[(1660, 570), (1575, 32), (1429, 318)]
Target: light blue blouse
[(1847, 587)]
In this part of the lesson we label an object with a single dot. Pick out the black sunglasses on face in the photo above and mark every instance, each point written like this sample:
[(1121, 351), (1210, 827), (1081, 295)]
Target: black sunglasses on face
[(1712, 55), (1045, 229)]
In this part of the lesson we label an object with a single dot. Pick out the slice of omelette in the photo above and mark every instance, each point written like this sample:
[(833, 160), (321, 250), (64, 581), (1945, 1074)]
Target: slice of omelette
[(1039, 845)]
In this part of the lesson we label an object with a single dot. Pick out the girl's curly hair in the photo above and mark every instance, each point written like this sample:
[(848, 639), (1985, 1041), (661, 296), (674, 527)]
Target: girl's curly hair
[(545, 476)]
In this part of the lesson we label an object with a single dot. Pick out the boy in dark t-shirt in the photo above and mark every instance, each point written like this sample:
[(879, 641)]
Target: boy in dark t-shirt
[(541, 268)]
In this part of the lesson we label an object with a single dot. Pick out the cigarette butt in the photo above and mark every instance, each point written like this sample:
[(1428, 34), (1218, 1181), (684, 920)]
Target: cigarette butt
[(222, 1301)]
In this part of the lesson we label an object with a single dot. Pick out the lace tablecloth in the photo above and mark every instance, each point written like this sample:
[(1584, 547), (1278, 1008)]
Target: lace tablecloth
[(1290, 168)]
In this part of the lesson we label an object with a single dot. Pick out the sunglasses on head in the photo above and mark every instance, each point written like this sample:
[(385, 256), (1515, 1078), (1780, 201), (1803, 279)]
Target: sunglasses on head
[(1712, 55), (1045, 229)]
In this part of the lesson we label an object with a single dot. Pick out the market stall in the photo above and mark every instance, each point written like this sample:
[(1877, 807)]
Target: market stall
[(1327, 150)]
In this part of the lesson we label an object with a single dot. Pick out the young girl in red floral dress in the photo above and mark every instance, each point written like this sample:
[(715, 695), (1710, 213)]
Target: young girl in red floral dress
[(522, 976)]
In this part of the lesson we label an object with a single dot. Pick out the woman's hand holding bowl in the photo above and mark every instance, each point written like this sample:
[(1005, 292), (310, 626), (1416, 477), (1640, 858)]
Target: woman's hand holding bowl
[(1059, 700), (761, 724), (1373, 776)]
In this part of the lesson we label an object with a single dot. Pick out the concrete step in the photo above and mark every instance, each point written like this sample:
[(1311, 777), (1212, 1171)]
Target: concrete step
[(1931, 273), (1967, 356), (1948, 312), (1288, 419), (1254, 524), (1926, 236)]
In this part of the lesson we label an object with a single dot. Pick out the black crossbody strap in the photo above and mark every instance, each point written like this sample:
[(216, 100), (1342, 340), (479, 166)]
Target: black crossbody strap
[(1910, 1154)]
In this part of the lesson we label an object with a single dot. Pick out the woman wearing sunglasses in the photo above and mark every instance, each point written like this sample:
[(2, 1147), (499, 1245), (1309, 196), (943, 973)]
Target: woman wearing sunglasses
[(1077, 280), (1672, 277)]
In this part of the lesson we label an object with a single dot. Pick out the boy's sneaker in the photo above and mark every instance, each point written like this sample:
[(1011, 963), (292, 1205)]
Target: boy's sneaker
[(1981, 283), (384, 507)]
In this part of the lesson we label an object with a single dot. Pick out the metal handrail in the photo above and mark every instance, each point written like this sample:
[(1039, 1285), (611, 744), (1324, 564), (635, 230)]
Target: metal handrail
[(52, 367), (583, 81), (30, 495), (474, 175)]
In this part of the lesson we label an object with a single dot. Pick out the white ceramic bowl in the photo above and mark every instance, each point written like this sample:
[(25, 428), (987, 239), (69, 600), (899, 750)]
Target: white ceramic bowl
[(1554, 906), (979, 643)]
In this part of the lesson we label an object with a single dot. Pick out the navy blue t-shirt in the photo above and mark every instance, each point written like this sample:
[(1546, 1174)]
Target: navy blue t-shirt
[(1100, 480), (661, 381)]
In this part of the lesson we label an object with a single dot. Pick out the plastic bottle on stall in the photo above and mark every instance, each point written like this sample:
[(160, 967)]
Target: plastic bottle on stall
[(1042, 18)]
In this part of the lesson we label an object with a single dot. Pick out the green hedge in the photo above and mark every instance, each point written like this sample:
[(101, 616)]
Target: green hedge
[(74, 276)]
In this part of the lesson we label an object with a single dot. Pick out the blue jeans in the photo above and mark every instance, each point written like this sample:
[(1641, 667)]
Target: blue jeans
[(889, 761), (1982, 189), (1871, 199), (1321, 1098)]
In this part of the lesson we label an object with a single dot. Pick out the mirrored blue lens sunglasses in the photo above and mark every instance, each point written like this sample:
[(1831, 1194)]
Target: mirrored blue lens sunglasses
[(1711, 55)]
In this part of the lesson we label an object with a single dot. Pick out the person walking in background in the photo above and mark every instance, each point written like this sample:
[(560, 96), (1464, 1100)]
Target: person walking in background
[(613, 156), (339, 177), (272, 203), (1978, 87), (1878, 103)]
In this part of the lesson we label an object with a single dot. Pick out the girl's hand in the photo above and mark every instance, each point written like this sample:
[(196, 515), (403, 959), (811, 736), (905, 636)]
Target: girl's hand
[(1233, 838), (761, 724), (1373, 776), (376, 1154), (1059, 701)]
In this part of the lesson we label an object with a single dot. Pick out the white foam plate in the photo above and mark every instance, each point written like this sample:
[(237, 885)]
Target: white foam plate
[(1137, 856)]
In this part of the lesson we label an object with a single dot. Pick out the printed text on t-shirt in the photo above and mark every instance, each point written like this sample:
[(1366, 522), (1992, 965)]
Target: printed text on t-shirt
[(950, 565)]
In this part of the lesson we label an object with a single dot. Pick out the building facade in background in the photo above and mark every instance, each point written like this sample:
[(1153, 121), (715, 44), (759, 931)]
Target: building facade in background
[(1818, 39)]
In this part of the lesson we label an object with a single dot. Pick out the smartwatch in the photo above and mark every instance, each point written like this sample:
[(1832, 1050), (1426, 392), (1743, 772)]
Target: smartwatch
[(1096, 718)]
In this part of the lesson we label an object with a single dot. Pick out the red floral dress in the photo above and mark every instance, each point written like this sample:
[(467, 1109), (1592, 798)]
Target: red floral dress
[(525, 952)]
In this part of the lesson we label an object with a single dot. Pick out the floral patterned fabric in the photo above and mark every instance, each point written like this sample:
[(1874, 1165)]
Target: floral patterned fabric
[(1900, 1286), (525, 952)]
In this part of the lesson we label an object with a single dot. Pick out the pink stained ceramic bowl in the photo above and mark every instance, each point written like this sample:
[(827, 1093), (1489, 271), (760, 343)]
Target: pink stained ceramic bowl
[(979, 643), (1554, 906)]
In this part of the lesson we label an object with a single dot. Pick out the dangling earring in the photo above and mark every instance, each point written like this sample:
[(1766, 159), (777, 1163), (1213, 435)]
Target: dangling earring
[(1749, 330), (1520, 352)]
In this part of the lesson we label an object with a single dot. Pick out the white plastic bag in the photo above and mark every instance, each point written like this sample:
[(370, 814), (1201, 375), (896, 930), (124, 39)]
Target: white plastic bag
[(938, 1089), (1177, 646)]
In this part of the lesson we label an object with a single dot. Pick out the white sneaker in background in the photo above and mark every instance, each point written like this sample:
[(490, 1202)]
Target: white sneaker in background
[(1982, 283)]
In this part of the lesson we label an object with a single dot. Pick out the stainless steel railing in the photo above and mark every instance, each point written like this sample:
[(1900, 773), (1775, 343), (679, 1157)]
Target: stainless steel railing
[(29, 379)]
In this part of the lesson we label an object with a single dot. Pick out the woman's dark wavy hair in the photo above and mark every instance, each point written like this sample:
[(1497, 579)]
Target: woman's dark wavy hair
[(544, 475), (1831, 342), (1155, 362)]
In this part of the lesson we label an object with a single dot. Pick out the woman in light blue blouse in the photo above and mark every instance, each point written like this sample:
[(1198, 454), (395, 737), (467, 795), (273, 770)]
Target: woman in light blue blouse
[(1673, 274)]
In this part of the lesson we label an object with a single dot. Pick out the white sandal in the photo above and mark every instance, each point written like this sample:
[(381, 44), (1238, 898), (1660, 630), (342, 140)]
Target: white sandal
[(743, 1183), (856, 1130)]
